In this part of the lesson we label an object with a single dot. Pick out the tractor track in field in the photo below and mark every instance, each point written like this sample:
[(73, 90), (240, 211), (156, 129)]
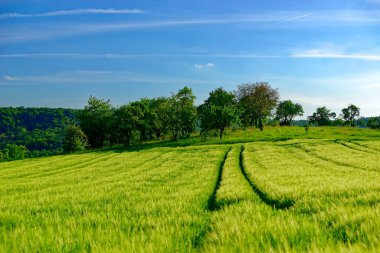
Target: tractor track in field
[(213, 206), (268, 200), (344, 144), (62, 169), (106, 179), (375, 150), (343, 164)]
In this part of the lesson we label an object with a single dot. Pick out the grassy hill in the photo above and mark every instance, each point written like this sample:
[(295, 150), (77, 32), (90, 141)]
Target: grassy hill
[(278, 190)]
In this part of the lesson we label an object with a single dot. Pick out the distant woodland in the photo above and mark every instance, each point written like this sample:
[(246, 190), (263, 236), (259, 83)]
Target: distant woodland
[(35, 132)]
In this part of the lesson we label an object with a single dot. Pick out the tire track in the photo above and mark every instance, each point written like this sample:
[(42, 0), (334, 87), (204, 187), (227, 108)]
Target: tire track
[(375, 150), (344, 144), (266, 198), (216, 206), (323, 158), (97, 183), (212, 204)]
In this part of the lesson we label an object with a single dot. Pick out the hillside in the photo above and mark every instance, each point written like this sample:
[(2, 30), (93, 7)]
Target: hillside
[(40, 130), (278, 190)]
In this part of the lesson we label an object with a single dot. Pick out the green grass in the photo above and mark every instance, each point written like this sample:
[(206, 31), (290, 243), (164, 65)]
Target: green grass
[(274, 191)]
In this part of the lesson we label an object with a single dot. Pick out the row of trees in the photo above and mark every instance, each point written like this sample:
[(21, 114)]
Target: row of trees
[(145, 119), (140, 120), (324, 117), (251, 104)]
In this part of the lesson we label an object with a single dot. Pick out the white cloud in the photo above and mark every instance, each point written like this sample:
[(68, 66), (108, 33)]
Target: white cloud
[(202, 66), (10, 78), (72, 12), (46, 32), (367, 57), (95, 77), (260, 21), (120, 56), (331, 51)]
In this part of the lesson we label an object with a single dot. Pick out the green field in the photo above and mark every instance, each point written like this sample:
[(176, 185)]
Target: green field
[(279, 190)]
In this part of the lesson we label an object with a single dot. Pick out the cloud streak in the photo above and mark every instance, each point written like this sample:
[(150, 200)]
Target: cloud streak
[(46, 32), (366, 57), (121, 56), (72, 12), (95, 77), (308, 54)]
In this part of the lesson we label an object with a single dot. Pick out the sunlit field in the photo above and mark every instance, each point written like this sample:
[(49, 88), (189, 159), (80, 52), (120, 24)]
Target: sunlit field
[(281, 190)]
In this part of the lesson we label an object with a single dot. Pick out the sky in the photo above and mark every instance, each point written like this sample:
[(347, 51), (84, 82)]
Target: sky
[(317, 52)]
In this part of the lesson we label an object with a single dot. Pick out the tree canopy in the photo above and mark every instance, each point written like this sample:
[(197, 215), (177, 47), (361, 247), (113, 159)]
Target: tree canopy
[(93, 120), (322, 116), (219, 111), (256, 100), (287, 110), (350, 114)]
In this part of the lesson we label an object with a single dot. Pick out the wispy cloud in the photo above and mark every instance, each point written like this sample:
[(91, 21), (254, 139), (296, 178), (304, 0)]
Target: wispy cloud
[(334, 53), (54, 31), (202, 66), (72, 12), (312, 54), (340, 56), (121, 56), (95, 77), (71, 55)]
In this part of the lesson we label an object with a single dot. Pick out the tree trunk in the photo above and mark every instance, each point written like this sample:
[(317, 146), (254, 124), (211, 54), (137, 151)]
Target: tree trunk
[(261, 124), (221, 133)]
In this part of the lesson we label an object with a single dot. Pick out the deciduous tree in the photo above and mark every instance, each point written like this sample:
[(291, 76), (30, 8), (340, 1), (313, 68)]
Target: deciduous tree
[(256, 100), (350, 114), (219, 111), (287, 110), (322, 116), (93, 120)]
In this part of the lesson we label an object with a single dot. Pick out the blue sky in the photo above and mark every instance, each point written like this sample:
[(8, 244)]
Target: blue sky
[(317, 53)]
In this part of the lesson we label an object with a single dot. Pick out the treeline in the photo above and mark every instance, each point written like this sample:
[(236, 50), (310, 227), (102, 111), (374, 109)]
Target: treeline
[(32, 132), (177, 116), (250, 105), (138, 121)]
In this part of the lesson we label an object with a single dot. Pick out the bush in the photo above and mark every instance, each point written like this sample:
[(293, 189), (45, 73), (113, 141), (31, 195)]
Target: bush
[(75, 139), (16, 152)]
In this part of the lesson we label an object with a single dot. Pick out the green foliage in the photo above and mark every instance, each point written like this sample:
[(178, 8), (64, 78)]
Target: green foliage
[(287, 110), (75, 139), (15, 152), (4, 154), (218, 112), (181, 113), (93, 120), (374, 123), (40, 130), (256, 100), (350, 114), (159, 109), (322, 117)]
